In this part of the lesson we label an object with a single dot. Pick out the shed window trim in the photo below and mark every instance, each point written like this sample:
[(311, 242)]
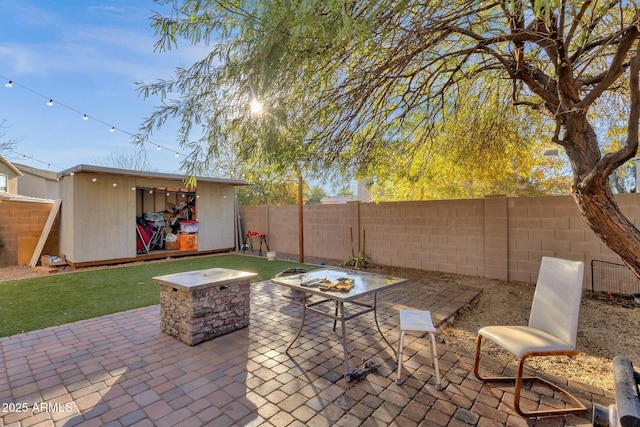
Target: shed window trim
[(3, 183)]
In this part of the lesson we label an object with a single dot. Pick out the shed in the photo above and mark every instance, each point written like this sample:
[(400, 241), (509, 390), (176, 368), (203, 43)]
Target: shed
[(103, 207)]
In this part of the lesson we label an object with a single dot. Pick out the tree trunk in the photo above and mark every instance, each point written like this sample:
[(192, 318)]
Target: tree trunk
[(592, 192), (603, 215)]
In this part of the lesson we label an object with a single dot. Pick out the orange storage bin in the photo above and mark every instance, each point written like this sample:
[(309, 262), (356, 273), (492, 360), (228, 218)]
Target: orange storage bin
[(188, 241)]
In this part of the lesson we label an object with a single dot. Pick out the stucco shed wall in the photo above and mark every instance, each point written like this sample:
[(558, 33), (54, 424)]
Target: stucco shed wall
[(98, 223)]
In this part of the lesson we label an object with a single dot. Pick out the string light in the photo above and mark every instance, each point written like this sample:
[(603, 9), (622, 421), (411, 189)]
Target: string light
[(10, 83), (24, 156)]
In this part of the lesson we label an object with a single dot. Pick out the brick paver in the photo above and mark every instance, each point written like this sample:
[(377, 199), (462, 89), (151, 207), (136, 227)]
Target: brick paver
[(122, 370)]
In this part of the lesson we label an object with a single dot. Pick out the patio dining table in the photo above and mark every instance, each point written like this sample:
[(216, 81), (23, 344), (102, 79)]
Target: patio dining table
[(364, 284)]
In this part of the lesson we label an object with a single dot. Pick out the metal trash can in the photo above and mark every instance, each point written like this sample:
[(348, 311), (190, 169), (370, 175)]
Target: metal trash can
[(626, 411)]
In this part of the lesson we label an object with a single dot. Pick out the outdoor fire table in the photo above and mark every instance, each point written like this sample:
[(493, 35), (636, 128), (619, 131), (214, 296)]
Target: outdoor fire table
[(200, 305), (364, 284)]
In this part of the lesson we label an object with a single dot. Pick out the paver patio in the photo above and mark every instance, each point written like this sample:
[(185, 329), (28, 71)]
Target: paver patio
[(121, 370)]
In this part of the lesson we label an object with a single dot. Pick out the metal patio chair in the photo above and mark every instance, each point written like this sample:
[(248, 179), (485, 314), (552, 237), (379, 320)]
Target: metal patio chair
[(552, 329)]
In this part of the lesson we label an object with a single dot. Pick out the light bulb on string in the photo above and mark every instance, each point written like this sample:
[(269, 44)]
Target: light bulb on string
[(50, 103)]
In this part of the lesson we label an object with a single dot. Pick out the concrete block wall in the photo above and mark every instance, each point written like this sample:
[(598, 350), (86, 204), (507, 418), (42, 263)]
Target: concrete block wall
[(552, 226), (495, 237), (326, 228), (543, 226), (282, 231), (255, 218), (20, 229), (442, 235)]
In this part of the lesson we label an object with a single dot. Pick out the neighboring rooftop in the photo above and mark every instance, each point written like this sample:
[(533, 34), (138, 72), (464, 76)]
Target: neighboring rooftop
[(42, 173)]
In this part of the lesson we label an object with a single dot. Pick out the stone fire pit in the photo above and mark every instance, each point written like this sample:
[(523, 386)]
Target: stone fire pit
[(200, 305)]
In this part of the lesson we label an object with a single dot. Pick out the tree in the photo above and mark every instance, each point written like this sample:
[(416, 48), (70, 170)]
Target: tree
[(127, 160), (6, 144), (444, 169), (268, 190), (315, 195), (366, 78)]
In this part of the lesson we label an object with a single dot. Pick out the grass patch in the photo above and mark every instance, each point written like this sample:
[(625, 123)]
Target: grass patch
[(37, 303)]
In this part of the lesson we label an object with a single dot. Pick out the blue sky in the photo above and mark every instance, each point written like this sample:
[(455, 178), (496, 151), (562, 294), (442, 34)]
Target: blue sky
[(85, 55)]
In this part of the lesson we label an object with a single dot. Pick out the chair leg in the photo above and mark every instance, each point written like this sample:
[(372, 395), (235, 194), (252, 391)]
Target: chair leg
[(519, 378), (434, 361), (400, 353)]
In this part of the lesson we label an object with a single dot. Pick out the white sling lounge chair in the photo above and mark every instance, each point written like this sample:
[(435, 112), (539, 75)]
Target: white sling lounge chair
[(552, 329)]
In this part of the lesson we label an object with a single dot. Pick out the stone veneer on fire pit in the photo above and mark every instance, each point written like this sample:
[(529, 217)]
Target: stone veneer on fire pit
[(200, 305)]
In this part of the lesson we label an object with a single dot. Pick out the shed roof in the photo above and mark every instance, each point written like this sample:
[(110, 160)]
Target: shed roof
[(144, 174)]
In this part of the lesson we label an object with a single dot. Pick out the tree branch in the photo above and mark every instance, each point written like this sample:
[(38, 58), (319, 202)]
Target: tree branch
[(615, 69), (611, 161)]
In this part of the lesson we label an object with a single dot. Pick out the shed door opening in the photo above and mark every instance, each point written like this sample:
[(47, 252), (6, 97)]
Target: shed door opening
[(166, 220)]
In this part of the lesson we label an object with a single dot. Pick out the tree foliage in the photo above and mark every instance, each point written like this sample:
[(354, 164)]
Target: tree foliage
[(358, 84), (268, 190), (488, 147), (315, 194)]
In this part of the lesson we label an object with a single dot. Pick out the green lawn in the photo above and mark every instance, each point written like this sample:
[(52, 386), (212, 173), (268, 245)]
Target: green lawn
[(31, 304)]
